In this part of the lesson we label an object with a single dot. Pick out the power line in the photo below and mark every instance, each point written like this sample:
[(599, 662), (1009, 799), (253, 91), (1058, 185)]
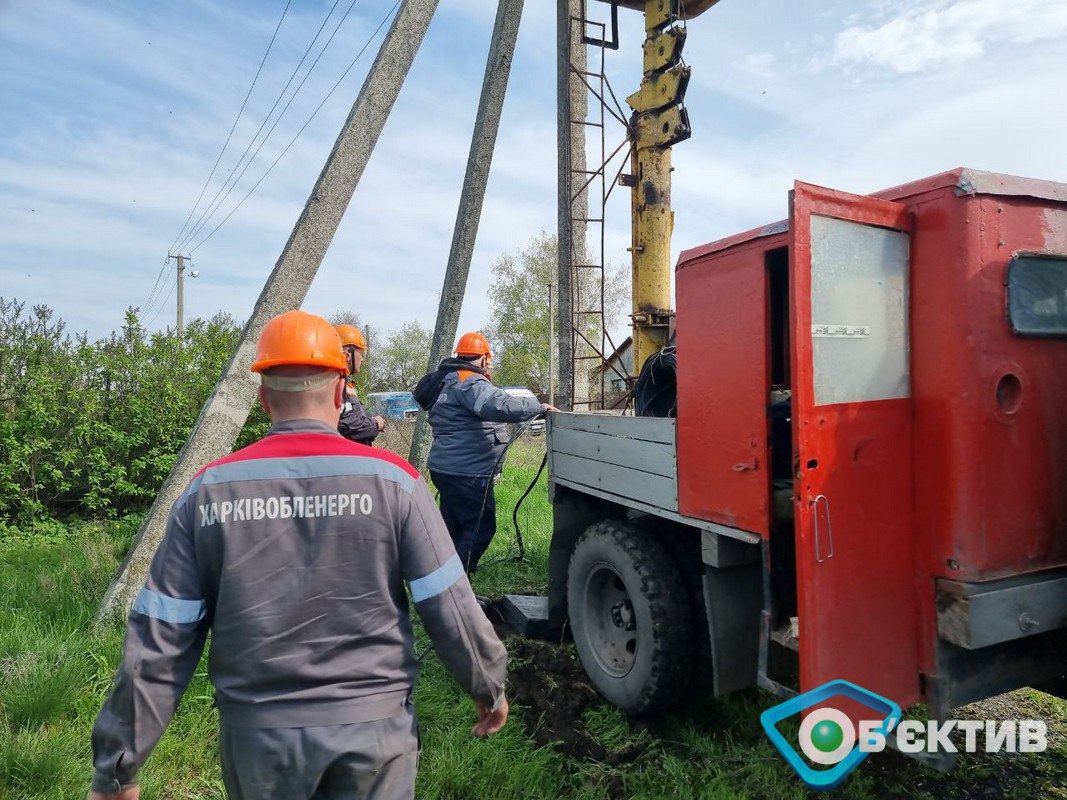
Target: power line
[(162, 305), (303, 127), (248, 164), (215, 202), (155, 285), (226, 144)]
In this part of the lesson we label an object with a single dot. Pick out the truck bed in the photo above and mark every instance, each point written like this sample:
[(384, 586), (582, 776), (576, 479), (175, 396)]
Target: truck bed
[(631, 461)]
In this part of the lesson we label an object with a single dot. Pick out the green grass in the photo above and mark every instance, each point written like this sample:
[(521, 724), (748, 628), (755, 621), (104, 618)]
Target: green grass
[(55, 671)]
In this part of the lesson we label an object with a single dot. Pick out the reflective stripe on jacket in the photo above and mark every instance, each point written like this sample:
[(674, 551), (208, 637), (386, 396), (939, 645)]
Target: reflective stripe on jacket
[(468, 422)]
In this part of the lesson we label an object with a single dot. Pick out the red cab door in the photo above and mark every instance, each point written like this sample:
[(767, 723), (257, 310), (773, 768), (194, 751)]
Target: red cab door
[(852, 423)]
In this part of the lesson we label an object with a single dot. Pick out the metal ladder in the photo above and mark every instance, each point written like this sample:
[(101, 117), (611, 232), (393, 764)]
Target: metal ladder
[(592, 343)]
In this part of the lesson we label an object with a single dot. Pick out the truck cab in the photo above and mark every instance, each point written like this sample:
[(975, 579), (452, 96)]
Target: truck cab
[(866, 476)]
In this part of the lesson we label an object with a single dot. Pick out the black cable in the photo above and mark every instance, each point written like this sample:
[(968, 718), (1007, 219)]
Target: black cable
[(518, 505), (515, 520), (162, 305), (489, 488), (426, 649)]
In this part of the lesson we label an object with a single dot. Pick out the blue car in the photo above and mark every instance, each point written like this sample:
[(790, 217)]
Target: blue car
[(393, 405)]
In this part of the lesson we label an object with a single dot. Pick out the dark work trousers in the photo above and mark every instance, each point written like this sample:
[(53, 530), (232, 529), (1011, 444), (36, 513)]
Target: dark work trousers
[(471, 526), (363, 760)]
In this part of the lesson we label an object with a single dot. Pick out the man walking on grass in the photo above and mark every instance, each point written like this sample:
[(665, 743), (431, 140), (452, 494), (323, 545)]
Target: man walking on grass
[(468, 416), (293, 553)]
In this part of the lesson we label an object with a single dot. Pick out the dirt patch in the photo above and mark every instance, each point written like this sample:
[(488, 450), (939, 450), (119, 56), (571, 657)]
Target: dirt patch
[(549, 683)]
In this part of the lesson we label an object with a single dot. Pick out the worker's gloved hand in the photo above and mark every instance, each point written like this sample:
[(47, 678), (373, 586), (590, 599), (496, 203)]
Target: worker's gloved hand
[(546, 407), (490, 722), (380, 422)]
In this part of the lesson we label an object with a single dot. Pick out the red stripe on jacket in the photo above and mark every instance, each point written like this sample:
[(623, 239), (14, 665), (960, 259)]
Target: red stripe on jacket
[(302, 445)]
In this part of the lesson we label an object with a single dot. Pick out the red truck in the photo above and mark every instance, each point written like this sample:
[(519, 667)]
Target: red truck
[(866, 477)]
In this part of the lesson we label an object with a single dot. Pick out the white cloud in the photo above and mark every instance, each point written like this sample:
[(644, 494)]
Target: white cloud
[(759, 64), (919, 36)]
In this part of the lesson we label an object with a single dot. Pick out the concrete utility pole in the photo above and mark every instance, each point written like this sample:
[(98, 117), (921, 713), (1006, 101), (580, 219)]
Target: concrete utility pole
[(226, 410), (480, 158), (181, 292), (551, 347), (571, 106), (180, 284)]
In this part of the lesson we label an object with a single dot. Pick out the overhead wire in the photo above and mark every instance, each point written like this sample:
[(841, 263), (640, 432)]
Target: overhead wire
[(318, 108), (238, 170), (160, 307), (229, 136), (155, 286), (179, 240), (303, 127)]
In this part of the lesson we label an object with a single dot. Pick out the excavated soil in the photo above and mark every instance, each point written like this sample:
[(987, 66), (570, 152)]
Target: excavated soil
[(552, 693), (548, 682)]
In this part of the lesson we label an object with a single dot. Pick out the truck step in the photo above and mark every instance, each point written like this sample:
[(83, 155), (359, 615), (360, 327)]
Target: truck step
[(526, 614)]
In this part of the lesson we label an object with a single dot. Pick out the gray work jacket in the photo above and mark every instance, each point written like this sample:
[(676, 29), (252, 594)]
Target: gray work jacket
[(468, 419), (294, 552)]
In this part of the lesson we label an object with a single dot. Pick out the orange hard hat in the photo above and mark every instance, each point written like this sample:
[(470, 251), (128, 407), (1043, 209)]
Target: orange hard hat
[(473, 344), (350, 334), (297, 337)]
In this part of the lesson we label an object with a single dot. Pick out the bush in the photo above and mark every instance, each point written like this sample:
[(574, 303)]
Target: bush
[(93, 428)]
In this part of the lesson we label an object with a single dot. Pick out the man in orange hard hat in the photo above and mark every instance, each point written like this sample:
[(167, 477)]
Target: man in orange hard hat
[(469, 417), (292, 552), (354, 423)]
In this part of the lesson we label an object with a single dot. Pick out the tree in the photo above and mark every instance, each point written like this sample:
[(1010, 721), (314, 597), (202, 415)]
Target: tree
[(401, 361), (94, 427), (345, 316), (519, 325)]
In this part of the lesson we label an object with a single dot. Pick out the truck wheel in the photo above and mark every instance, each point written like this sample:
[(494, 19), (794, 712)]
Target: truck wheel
[(630, 616)]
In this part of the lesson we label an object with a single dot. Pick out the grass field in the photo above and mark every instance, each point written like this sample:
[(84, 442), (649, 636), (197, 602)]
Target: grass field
[(562, 740)]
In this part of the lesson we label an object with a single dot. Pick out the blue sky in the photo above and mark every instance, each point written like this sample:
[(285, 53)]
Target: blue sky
[(113, 113)]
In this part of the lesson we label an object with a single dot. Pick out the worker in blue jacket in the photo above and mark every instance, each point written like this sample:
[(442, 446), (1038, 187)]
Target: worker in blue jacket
[(469, 417)]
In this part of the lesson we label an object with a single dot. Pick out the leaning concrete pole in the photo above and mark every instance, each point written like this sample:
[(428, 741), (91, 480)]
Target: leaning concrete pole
[(483, 142), (226, 410)]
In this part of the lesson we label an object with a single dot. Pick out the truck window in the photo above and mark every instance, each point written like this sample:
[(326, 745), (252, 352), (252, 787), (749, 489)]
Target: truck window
[(1037, 295), (859, 312)]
